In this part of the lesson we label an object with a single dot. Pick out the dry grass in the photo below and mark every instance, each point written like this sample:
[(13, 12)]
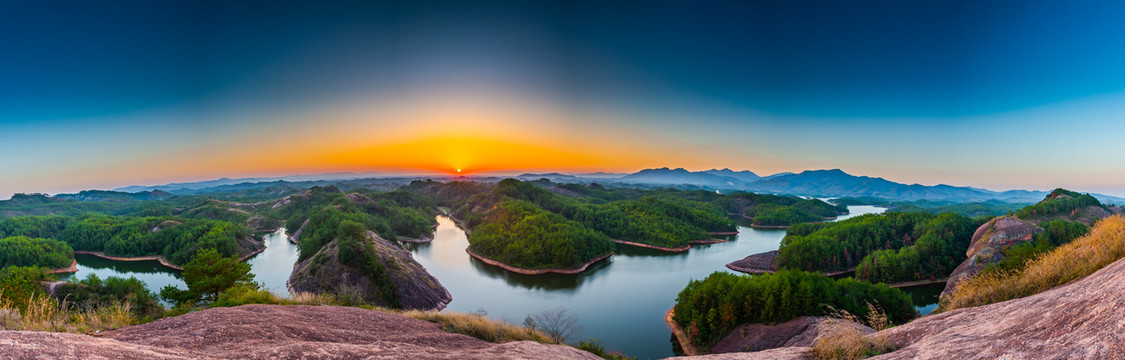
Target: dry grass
[(1103, 245), (308, 298), (44, 313), (477, 325), (842, 339)]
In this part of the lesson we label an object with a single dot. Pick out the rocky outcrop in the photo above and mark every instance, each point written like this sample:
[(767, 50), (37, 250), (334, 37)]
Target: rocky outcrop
[(324, 273), (277, 332), (1079, 320), (761, 263), (987, 243), (801, 331)]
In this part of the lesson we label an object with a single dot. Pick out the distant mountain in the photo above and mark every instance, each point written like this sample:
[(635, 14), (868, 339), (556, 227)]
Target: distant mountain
[(600, 175), (198, 185), (666, 176), (815, 183), (116, 196), (837, 183), (745, 176)]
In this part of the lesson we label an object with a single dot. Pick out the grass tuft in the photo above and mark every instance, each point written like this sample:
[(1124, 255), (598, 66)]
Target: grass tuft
[(842, 339), (478, 326)]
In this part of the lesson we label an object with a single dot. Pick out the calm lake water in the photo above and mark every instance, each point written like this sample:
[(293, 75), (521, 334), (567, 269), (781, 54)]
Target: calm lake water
[(621, 301)]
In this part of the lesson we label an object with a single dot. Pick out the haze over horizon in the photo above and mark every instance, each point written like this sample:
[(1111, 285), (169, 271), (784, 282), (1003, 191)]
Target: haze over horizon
[(1000, 95)]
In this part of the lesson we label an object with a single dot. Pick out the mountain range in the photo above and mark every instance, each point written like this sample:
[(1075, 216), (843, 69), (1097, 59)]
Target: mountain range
[(832, 183)]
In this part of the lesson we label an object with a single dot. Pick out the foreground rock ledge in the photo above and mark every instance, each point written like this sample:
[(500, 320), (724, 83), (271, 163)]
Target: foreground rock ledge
[(277, 332), (1081, 320)]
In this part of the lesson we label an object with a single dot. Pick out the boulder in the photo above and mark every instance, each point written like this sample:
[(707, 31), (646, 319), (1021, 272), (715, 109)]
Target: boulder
[(324, 273), (988, 241)]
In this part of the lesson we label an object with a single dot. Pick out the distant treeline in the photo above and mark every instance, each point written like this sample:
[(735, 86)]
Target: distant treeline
[(175, 238)]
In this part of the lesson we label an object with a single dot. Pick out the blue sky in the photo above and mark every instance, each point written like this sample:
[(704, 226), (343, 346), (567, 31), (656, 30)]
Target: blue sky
[(998, 94)]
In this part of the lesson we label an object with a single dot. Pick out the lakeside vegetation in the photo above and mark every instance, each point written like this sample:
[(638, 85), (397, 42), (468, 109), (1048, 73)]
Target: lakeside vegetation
[(710, 308), (37, 252), (934, 245), (523, 235), (175, 238), (1104, 244), (931, 251)]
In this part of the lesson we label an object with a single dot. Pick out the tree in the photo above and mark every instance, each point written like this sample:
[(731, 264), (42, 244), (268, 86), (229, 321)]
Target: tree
[(559, 323), (207, 275)]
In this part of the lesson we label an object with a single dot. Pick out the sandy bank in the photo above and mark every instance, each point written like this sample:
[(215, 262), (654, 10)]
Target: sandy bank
[(537, 271)]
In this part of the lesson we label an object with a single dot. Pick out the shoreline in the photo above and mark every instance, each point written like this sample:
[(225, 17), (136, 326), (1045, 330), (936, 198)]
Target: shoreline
[(523, 271), (158, 258), (661, 248), (723, 233), (73, 268), (707, 241), (681, 336), (422, 240), (908, 284)]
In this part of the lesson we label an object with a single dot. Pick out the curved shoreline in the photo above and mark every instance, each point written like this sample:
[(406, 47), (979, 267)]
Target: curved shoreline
[(707, 241), (72, 269), (681, 336), (661, 248), (723, 233), (537, 271), (158, 258)]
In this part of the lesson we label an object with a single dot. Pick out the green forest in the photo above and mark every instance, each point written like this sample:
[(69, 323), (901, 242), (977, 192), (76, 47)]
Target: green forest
[(173, 237), (38, 252), (520, 234), (709, 309), (933, 243)]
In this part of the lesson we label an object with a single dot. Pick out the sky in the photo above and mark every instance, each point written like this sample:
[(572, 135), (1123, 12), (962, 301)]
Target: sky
[(994, 94)]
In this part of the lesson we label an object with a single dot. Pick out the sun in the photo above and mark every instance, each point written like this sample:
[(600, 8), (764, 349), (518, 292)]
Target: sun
[(458, 170)]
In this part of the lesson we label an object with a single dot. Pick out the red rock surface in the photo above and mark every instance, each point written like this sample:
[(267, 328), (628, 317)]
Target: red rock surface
[(988, 241), (277, 332)]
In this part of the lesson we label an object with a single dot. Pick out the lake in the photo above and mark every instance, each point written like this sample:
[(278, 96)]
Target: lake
[(621, 301)]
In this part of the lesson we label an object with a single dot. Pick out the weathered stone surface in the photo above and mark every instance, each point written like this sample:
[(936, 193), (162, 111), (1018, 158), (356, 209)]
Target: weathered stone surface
[(1081, 320), (801, 331), (985, 248), (324, 273), (277, 332)]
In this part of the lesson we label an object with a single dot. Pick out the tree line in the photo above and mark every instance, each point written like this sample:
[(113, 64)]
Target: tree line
[(709, 309)]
